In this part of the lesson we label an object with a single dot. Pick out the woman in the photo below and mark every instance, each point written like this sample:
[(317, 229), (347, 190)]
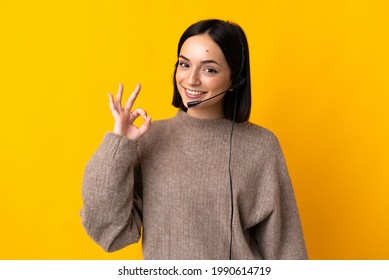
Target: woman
[(206, 184)]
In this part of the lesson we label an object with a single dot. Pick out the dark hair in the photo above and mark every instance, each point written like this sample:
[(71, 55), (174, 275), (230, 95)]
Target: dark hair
[(232, 41)]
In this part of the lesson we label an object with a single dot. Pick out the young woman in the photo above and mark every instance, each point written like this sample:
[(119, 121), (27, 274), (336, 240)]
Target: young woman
[(205, 184)]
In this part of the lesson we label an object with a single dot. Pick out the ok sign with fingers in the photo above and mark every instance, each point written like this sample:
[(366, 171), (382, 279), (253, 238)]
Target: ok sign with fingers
[(125, 117)]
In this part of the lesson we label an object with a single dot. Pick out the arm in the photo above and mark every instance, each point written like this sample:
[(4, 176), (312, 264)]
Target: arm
[(111, 214), (111, 188), (279, 235)]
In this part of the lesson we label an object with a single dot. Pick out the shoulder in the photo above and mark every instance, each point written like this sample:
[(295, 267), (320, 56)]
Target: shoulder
[(256, 142), (254, 134)]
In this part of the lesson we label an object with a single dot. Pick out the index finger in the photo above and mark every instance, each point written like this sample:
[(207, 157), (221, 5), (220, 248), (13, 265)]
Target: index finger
[(131, 100)]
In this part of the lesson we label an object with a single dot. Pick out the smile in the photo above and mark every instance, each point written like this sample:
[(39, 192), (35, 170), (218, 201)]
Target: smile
[(193, 93)]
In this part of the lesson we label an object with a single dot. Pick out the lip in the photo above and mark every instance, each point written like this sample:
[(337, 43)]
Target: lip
[(193, 96)]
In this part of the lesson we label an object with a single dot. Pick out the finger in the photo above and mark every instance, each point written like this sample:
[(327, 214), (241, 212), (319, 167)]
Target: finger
[(145, 126), (119, 95), (112, 106), (131, 100), (138, 112)]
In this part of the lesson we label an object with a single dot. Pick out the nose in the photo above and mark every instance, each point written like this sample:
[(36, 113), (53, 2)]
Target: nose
[(193, 77)]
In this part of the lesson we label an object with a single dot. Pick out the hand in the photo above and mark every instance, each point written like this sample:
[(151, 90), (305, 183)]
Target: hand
[(124, 117)]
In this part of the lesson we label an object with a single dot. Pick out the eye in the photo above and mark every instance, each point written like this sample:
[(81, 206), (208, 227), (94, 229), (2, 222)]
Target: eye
[(210, 70), (183, 64)]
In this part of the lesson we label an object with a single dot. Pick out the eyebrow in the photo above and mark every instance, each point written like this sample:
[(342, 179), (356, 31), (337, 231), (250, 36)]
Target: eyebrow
[(203, 61)]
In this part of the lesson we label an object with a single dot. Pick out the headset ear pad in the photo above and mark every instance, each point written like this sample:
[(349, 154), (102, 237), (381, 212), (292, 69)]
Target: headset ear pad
[(239, 84)]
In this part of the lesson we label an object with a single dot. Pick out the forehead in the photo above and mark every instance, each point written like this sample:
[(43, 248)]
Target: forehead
[(202, 47)]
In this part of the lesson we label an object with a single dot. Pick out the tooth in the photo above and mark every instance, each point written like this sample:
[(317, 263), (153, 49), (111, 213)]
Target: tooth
[(193, 92)]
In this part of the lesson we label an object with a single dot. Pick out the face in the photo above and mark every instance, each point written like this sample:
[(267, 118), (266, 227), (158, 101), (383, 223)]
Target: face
[(203, 72)]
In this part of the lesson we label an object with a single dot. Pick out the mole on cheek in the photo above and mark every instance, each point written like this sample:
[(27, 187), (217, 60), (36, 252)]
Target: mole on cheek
[(206, 50)]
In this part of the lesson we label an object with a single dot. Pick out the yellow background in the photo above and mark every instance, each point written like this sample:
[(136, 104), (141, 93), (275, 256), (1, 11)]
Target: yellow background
[(320, 82)]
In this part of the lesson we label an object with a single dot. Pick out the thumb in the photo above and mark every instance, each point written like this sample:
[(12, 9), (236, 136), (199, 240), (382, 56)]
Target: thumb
[(145, 126)]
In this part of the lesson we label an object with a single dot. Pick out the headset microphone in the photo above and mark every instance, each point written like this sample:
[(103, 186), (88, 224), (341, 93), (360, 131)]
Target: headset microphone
[(195, 103), (234, 87)]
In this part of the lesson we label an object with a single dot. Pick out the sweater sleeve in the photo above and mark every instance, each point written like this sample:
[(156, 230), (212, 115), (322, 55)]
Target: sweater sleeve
[(111, 193), (279, 235)]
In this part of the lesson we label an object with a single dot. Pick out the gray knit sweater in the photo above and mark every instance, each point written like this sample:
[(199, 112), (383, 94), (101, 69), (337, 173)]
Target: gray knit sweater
[(173, 188)]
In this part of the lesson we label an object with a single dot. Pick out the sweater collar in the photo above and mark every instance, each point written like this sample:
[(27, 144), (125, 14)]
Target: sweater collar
[(190, 121)]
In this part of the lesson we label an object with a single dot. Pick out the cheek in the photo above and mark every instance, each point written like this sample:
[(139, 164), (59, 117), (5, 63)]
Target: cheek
[(219, 84), (179, 76)]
